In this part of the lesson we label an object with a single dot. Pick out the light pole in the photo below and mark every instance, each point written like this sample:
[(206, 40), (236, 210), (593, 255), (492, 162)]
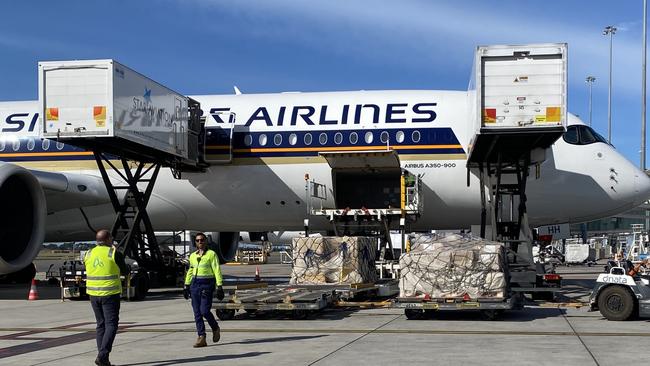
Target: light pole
[(609, 30), (643, 85), (590, 80)]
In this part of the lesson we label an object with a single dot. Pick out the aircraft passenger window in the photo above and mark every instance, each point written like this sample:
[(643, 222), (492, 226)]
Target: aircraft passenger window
[(277, 139), (2, 145), (293, 139), (45, 144), (415, 136), (338, 138), (384, 137), (571, 135), (368, 138), (399, 136), (248, 140), (354, 138), (30, 144), (307, 138), (16, 145), (59, 145), (262, 139), (322, 138)]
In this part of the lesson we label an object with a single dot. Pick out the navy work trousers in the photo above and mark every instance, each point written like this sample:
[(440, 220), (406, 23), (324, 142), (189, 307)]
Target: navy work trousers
[(201, 291), (107, 314)]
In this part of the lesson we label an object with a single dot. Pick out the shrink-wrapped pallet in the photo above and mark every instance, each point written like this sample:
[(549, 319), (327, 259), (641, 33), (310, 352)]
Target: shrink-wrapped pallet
[(322, 260), (453, 265)]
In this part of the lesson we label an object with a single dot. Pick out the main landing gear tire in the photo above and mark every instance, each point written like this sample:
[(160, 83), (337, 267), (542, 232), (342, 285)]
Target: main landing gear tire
[(616, 303)]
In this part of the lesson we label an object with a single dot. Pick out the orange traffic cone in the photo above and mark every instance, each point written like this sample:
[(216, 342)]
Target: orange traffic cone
[(33, 293), (257, 273)]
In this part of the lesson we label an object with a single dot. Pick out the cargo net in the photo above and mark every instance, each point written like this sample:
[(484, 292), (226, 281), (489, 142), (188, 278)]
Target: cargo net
[(452, 265), (336, 260)]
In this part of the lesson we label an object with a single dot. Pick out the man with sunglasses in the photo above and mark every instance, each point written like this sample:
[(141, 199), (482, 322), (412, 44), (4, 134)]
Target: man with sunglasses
[(200, 282)]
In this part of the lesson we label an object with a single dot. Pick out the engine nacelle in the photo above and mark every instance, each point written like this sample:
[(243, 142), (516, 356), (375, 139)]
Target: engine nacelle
[(22, 218), (226, 245)]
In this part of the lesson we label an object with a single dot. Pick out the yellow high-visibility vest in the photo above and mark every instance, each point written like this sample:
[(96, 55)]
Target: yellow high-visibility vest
[(205, 267), (102, 273)]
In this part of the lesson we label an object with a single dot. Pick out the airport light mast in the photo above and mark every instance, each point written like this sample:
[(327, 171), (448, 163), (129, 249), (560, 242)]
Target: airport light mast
[(609, 30)]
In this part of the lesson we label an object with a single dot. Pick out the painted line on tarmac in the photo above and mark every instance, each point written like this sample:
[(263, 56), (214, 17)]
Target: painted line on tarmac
[(136, 329)]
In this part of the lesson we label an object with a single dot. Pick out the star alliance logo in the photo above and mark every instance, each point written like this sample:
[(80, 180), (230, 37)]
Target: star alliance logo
[(147, 95)]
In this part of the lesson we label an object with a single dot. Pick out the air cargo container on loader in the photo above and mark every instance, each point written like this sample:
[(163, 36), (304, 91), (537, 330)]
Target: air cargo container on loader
[(102, 103), (518, 100), (134, 126)]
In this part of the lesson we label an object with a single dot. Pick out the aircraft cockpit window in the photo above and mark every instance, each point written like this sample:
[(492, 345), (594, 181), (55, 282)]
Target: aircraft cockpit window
[(2, 145), (16, 145), (399, 136), (354, 138), (384, 137), (30, 144), (45, 144), (338, 138), (369, 137), (415, 136), (293, 139), (248, 140), (277, 139), (322, 138), (262, 140), (582, 135), (308, 138)]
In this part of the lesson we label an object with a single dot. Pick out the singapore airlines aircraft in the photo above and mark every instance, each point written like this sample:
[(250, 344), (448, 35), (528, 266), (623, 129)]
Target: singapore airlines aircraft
[(256, 179)]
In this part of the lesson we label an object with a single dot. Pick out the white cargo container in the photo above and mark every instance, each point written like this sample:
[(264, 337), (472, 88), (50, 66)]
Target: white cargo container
[(579, 253), (104, 103), (517, 98), (521, 86)]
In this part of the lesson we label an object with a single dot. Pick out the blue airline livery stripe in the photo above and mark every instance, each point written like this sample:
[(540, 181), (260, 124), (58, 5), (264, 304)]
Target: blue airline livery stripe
[(415, 141)]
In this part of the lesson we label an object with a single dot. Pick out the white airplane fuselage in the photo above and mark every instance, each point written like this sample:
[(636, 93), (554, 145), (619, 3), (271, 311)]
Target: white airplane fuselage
[(276, 142)]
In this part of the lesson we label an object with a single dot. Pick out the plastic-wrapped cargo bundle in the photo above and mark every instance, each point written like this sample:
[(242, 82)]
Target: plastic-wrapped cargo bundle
[(322, 260), (453, 265)]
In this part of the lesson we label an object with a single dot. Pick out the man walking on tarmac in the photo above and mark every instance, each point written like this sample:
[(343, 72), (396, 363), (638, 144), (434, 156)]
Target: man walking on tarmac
[(104, 264), (202, 277)]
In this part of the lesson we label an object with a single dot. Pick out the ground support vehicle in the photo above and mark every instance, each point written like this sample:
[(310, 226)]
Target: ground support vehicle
[(72, 277), (621, 297)]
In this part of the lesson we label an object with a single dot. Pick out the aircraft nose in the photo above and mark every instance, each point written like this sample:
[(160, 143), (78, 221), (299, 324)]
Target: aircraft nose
[(642, 187)]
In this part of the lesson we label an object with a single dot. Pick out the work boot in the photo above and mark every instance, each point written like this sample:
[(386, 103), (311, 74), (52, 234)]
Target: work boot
[(105, 362), (200, 342), (216, 335)]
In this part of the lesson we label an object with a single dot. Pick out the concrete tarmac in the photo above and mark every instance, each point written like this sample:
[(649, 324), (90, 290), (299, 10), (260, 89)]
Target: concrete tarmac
[(160, 331)]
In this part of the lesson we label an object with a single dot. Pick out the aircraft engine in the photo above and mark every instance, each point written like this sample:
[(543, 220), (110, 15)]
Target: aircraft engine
[(226, 245), (22, 218)]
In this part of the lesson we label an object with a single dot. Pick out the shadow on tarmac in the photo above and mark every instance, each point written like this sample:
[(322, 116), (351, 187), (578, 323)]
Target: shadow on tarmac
[(179, 361), (274, 339)]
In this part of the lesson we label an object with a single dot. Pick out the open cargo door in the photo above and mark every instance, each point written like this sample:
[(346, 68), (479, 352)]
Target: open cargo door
[(370, 179)]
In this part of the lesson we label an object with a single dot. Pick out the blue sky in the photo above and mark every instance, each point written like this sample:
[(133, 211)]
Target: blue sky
[(207, 46)]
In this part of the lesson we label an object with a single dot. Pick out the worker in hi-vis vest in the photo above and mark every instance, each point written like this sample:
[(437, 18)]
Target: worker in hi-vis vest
[(200, 282), (104, 265)]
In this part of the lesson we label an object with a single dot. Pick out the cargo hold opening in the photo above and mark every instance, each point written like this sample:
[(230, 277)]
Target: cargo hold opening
[(370, 179)]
